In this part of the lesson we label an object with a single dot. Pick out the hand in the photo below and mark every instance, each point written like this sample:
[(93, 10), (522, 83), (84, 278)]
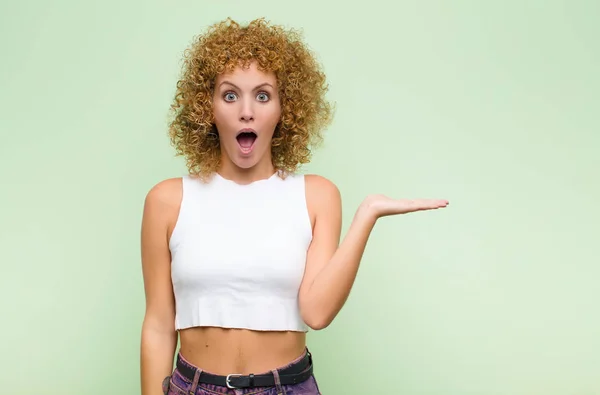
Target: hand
[(381, 205)]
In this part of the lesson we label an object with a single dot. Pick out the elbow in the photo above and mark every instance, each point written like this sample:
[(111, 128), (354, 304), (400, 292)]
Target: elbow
[(316, 314), (158, 343), (317, 321), (158, 327), (317, 326)]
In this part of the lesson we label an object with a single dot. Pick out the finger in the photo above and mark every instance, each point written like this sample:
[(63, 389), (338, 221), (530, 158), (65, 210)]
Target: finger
[(429, 204)]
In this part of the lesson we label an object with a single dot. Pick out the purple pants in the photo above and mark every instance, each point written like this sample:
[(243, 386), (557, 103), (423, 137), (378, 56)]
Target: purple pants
[(177, 384)]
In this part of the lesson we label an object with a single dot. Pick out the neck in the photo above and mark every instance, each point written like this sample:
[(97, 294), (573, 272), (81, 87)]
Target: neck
[(261, 171)]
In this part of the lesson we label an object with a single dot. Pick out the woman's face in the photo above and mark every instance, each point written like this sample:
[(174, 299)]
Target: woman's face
[(247, 109)]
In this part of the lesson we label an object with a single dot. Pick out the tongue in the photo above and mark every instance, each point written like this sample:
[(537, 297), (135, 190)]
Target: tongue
[(246, 141)]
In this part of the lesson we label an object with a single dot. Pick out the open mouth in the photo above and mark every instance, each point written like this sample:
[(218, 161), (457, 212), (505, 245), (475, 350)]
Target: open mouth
[(246, 140)]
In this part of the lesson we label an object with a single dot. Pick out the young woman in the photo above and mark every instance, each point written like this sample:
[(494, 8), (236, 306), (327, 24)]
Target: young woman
[(242, 256)]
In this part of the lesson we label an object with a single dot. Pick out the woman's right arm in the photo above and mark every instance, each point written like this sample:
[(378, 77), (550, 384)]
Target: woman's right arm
[(158, 337)]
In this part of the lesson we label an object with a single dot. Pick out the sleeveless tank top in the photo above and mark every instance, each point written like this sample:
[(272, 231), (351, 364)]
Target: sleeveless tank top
[(238, 253)]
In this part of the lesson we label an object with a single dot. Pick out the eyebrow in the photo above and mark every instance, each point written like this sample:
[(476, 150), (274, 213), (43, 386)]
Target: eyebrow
[(255, 88)]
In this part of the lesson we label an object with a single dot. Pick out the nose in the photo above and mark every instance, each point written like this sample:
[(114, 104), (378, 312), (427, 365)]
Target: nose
[(246, 112)]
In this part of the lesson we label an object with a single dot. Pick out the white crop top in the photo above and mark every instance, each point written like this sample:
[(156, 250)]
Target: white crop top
[(238, 253)]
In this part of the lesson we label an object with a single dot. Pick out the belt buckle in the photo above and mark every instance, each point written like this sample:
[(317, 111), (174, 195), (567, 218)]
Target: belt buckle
[(228, 380)]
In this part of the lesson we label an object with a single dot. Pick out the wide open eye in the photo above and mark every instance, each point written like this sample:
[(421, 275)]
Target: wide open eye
[(263, 96), (230, 96)]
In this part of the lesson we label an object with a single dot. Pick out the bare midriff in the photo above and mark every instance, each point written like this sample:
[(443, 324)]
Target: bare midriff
[(238, 351)]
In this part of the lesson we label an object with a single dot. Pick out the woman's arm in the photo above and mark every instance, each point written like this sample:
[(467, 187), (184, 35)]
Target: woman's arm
[(331, 269), (158, 337)]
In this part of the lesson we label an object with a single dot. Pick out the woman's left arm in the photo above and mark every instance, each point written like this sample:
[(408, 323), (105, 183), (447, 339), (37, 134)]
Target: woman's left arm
[(331, 267)]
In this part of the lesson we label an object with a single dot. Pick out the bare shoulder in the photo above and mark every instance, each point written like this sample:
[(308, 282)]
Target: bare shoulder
[(321, 186), (167, 192), (163, 201), (322, 194)]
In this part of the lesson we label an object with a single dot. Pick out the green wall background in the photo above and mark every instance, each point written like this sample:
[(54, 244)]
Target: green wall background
[(492, 105)]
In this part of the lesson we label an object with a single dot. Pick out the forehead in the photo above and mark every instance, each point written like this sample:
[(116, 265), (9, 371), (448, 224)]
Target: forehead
[(247, 76)]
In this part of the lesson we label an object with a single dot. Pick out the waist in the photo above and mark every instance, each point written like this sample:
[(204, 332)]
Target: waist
[(188, 378), (223, 350)]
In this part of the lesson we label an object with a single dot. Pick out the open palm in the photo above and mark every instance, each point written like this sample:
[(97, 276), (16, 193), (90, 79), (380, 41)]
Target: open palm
[(383, 205)]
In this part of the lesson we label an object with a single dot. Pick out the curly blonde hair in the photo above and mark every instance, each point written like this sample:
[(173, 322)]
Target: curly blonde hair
[(302, 86)]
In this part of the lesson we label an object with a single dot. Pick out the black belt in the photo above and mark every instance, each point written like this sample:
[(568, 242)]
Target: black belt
[(296, 373)]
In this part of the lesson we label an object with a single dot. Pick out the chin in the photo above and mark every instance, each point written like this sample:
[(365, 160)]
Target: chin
[(245, 161)]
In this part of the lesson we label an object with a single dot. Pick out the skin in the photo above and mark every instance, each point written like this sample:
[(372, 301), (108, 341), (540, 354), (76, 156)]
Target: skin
[(248, 98)]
